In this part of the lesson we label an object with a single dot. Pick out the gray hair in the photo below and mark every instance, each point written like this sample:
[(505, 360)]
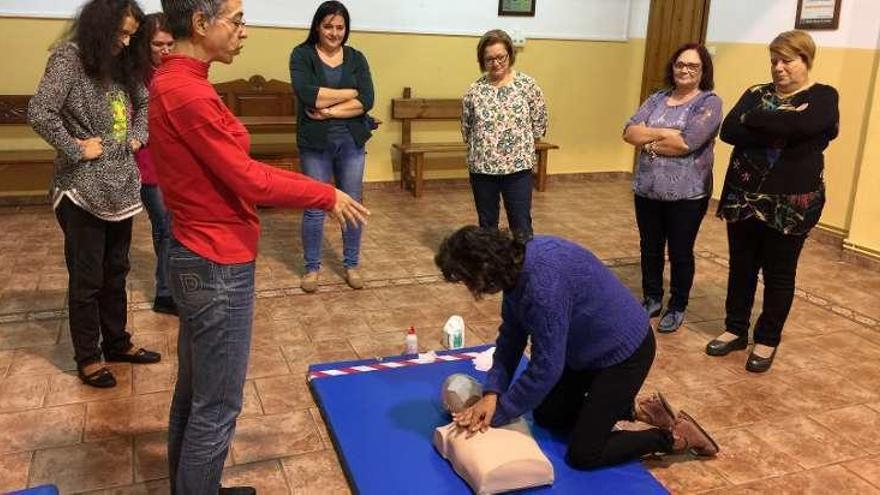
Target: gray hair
[(179, 14)]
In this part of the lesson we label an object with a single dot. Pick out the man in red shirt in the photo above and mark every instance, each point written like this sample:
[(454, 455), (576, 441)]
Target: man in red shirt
[(211, 186)]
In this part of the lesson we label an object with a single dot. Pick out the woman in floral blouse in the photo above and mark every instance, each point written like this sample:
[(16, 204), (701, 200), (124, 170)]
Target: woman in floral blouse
[(676, 129), (503, 114), (773, 192)]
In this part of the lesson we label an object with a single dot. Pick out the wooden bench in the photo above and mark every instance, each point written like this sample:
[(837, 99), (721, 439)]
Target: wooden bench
[(412, 169), (24, 174), (265, 107)]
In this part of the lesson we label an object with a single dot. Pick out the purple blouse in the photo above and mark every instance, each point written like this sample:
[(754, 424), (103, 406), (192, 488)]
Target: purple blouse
[(673, 178)]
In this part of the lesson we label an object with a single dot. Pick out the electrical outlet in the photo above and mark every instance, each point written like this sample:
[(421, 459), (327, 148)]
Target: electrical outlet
[(518, 38)]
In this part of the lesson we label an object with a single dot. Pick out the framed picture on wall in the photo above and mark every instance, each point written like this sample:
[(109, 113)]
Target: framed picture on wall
[(517, 7), (818, 14)]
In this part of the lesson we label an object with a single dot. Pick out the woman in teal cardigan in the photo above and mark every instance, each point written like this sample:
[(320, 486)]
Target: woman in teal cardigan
[(334, 91)]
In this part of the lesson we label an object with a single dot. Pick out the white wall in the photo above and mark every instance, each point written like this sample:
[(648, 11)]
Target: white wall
[(759, 21), (555, 19)]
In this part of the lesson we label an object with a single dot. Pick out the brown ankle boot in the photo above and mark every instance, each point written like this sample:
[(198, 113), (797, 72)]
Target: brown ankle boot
[(657, 412), (309, 282), (696, 440)]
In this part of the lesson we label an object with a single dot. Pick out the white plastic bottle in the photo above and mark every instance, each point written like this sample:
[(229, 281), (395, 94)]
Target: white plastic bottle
[(411, 342)]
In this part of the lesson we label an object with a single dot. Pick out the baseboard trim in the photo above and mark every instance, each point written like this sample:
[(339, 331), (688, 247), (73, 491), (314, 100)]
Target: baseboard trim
[(861, 256)]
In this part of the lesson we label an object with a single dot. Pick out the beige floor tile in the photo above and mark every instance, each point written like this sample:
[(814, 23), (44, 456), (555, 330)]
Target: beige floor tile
[(41, 428), (23, 392), (746, 457), (284, 393), (857, 424), (280, 435), (29, 334), (806, 441), (83, 467), (14, 470), (130, 416), (315, 473)]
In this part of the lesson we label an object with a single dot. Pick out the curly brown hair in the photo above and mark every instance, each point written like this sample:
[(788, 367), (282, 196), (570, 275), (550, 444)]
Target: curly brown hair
[(96, 30), (486, 261)]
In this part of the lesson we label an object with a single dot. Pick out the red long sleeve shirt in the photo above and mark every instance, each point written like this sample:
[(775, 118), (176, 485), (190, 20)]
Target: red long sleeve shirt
[(209, 182)]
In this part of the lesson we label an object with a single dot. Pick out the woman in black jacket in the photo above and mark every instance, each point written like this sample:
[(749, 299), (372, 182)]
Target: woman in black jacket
[(773, 192), (334, 91)]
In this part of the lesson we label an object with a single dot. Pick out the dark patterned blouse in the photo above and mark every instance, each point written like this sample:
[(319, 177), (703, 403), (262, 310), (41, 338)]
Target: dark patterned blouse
[(776, 168)]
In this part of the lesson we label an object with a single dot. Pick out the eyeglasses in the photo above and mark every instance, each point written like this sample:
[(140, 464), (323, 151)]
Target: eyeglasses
[(692, 68), (238, 24), (500, 60)]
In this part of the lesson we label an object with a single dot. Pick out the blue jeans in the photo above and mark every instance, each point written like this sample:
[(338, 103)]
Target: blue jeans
[(216, 304), (344, 162), (160, 219), (515, 189)]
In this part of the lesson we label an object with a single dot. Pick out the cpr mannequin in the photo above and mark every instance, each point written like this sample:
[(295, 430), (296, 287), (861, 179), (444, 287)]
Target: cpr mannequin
[(499, 460)]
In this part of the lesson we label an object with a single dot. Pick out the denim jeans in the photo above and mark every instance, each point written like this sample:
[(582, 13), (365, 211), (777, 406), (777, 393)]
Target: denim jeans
[(515, 189), (216, 304), (343, 161), (756, 247), (674, 224), (160, 220), (96, 252)]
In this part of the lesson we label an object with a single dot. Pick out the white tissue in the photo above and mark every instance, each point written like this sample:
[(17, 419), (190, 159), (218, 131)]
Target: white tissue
[(427, 357), (483, 361)]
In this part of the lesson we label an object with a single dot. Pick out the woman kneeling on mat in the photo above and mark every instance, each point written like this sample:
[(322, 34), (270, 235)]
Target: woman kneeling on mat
[(591, 349)]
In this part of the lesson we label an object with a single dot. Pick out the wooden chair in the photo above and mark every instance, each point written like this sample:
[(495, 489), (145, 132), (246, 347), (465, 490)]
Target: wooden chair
[(408, 110)]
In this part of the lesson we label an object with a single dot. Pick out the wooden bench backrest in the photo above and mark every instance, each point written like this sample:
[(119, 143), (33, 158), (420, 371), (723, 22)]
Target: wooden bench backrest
[(409, 109), (13, 109), (249, 98), (257, 97)]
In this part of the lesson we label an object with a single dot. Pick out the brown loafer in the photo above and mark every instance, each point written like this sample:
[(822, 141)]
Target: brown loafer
[(658, 412), (697, 440)]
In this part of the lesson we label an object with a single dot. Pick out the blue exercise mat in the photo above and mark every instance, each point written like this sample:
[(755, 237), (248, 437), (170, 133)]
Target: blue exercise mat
[(382, 424)]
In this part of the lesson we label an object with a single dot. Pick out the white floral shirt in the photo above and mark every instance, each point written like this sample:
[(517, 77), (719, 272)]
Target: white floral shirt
[(500, 124)]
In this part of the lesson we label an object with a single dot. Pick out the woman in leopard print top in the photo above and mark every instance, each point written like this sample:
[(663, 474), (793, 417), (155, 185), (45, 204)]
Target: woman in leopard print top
[(91, 106)]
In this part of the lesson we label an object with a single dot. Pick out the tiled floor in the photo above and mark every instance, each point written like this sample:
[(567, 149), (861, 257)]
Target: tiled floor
[(811, 425)]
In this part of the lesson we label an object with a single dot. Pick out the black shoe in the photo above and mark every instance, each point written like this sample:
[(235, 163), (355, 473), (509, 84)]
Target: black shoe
[(103, 378), (652, 306), (142, 356), (758, 364), (720, 348), (166, 305), (238, 490)]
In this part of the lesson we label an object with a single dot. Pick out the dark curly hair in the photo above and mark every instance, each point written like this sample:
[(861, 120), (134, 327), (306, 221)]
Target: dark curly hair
[(707, 79), (96, 30), (486, 261)]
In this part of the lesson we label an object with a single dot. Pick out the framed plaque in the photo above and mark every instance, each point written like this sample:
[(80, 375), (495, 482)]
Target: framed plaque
[(517, 7), (817, 14)]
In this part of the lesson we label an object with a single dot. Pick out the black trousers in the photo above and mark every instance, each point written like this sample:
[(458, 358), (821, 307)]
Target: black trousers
[(516, 191), (591, 402), (756, 247), (96, 252), (676, 224)]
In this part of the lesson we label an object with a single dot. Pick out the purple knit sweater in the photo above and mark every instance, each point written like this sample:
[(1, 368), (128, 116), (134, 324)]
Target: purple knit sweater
[(578, 315)]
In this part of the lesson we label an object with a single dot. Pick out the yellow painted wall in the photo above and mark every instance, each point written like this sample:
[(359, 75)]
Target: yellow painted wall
[(738, 66), (590, 87), (864, 232)]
